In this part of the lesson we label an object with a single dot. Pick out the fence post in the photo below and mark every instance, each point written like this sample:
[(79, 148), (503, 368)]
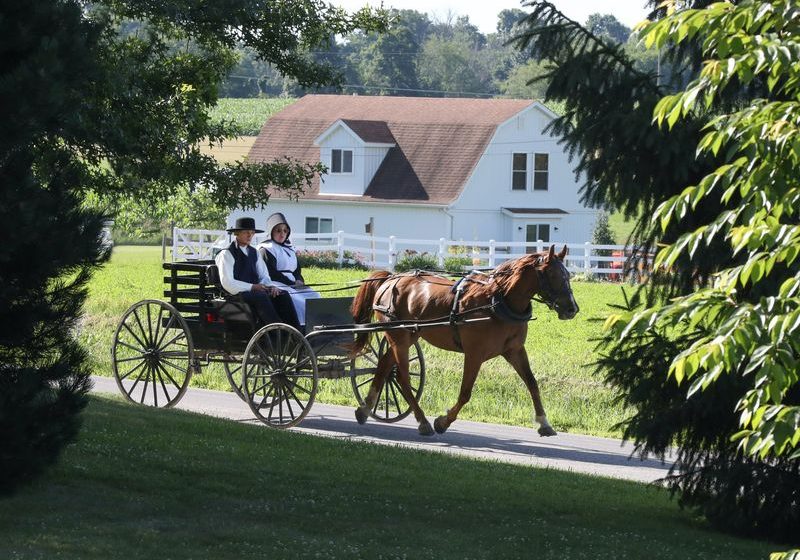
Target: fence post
[(174, 242), (491, 253), (441, 252), (587, 264), (340, 247), (392, 253), (539, 245)]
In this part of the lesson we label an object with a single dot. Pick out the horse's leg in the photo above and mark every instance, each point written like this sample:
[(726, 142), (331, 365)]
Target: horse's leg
[(518, 359), (472, 364), (382, 369), (400, 349)]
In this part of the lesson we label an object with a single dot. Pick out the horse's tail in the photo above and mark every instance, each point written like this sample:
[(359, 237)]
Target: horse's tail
[(361, 308)]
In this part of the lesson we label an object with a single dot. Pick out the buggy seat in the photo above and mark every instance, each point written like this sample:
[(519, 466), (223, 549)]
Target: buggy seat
[(194, 289)]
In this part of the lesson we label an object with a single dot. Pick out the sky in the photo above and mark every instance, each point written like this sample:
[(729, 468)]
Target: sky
[(483, 13)]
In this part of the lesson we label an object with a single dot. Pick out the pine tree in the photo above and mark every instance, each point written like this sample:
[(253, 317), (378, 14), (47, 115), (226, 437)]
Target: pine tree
[(90, 108)]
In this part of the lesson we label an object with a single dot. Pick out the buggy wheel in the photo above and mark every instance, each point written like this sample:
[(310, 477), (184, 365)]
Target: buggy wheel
[(279, 375), (233, 371), (390, 406), (152, 355)]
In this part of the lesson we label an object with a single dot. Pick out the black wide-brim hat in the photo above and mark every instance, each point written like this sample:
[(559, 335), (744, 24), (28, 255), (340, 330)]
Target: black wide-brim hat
[(245, 223)]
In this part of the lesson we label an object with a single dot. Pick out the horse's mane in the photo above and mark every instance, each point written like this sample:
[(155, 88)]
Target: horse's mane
[(502, 278)]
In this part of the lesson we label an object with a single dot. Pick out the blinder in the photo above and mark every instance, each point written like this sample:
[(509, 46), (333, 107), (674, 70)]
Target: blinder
[(549, 296)]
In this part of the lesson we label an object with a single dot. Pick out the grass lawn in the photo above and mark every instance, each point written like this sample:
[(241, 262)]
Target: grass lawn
[(167, 484), (560, 351), (621, 227)]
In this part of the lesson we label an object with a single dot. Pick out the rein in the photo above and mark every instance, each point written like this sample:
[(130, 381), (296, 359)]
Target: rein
[(356, 283)]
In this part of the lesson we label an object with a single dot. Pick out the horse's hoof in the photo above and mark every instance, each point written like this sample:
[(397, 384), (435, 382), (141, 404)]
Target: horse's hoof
[(440, 425), (361, 416), (547, 431), (425, 429)]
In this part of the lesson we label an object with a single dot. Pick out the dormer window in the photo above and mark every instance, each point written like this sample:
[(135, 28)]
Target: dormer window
[(341, 161)]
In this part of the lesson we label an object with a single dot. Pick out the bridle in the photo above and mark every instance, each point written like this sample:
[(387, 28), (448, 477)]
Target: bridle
[(548, 295)]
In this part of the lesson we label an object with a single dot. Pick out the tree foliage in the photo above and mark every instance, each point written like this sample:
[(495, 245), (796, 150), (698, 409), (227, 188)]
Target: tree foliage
[(751, 311), (111, 98), (706, 355), (609, 27)]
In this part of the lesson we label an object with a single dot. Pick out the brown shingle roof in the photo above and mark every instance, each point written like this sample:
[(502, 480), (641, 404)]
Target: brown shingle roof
[(371, 131), (438, 140)]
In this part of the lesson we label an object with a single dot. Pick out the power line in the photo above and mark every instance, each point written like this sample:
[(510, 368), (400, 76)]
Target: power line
[(388, 88), (354, 86)]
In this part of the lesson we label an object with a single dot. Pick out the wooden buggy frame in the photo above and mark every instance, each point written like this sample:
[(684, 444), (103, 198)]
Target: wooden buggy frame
[(275, 369)]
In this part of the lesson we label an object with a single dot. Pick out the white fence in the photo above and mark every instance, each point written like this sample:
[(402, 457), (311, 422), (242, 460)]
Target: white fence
[(384, 252)]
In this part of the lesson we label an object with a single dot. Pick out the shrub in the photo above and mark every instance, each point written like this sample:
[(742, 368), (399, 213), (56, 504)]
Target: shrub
[(412, 260), (456, 265), (329, 259)]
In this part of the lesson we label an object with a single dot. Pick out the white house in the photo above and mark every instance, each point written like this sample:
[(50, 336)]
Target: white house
[(426, 168)]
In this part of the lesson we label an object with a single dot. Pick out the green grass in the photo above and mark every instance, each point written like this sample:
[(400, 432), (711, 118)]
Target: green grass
[(249, 114), (621, 226), (560, 351), (148, 483)]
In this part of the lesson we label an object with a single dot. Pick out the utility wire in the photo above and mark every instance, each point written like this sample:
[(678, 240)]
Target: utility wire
[(387, 88)]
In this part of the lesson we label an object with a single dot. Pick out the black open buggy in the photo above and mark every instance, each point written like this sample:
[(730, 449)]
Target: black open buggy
[(274, 368)]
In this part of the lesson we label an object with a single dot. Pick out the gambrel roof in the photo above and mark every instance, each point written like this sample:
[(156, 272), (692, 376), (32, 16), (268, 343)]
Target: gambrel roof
[(438, 141)]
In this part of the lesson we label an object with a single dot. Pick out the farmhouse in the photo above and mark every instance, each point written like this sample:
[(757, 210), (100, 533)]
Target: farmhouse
[(426, 168)]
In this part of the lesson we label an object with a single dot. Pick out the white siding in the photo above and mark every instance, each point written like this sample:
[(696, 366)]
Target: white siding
[(343, 183), (407, 221), (372, 157), (477, 212), (366, 160)]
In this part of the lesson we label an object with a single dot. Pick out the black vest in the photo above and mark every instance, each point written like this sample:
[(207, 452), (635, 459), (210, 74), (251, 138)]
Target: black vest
[(244, 267)]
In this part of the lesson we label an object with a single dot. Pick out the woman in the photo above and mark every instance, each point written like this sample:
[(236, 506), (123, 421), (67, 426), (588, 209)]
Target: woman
[(282, 264)]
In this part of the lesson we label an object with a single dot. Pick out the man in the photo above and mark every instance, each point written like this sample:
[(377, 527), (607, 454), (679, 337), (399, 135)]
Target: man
[(242, 272)]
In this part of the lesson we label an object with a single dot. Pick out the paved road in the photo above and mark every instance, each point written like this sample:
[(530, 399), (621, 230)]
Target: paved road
[(585, 454)]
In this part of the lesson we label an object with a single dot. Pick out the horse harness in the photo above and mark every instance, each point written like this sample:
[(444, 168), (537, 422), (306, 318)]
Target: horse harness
[(498, 305)]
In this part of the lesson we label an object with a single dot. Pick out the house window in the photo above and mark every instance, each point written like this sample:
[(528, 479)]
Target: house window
[(536, 232), (519, 172), (318, 225), (341, 161), (540, 171)]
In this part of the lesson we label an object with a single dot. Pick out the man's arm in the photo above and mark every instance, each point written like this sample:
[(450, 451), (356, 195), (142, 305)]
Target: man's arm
[(263, 273), (224, 262)]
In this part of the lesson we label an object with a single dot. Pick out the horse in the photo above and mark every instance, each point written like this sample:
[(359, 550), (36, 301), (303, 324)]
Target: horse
[(502, 298)]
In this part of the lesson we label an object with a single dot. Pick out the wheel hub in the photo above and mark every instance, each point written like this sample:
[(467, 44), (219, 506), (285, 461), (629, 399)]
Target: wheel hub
[(152, 357)]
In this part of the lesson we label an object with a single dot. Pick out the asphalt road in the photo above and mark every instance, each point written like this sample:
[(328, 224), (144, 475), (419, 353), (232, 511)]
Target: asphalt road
[(585, 454)]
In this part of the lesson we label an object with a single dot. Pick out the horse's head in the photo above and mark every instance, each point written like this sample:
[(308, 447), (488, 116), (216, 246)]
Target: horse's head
[(553, 284)]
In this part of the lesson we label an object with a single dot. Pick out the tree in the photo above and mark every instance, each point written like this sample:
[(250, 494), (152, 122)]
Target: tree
[(602, 233), (451, 65), (507, 21), (525, 81), (746, 323), (91, 108), (609, 27), (729, 262), (388, 61), (252, 77)]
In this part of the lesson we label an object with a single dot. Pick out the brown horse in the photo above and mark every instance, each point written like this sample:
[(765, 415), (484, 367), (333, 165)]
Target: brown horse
[(504, 296)]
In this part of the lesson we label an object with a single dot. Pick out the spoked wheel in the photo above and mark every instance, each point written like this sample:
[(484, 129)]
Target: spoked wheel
[(152, 355), (279, 375), (233, 371), (391, 406)]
